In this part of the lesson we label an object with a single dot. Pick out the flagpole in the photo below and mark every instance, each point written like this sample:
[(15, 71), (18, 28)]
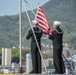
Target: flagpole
[(20, 35)]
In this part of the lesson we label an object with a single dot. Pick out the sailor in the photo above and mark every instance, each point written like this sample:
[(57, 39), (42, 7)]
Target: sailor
[(36, 58), (57, 36)]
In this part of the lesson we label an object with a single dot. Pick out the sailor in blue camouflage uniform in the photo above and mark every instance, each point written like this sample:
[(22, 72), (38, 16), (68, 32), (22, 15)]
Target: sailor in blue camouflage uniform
[(56, 36), (36, 58)]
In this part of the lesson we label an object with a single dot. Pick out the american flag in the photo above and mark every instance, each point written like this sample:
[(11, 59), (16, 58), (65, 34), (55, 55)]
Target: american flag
[(42, 22)]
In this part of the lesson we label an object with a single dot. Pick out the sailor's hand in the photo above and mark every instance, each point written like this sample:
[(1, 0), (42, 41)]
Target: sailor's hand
[(50, 32)]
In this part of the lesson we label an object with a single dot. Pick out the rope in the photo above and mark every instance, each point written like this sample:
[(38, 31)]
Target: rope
[(35, 37), (38, 3), (29, 6)]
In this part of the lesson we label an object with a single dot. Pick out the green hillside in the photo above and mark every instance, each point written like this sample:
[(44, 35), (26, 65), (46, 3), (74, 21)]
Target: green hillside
[(63, 10)]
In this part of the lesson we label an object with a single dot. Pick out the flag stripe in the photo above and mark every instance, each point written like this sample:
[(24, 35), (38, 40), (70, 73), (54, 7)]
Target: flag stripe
[(42, 26), (42, 22), (41, 14), (43, 29), (42, 18)]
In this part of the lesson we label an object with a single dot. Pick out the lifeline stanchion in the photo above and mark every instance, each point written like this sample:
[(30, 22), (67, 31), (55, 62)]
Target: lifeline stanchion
[(68, 63), (36, 39)]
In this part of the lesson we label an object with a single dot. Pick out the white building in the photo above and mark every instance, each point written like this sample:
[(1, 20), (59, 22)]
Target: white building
[(6, 57)]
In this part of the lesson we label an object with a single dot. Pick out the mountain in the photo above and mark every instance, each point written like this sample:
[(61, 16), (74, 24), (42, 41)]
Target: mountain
[(62, 10)]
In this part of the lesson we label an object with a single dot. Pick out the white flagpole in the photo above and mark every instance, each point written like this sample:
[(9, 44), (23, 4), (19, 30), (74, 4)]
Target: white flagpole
[(20, 34)]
